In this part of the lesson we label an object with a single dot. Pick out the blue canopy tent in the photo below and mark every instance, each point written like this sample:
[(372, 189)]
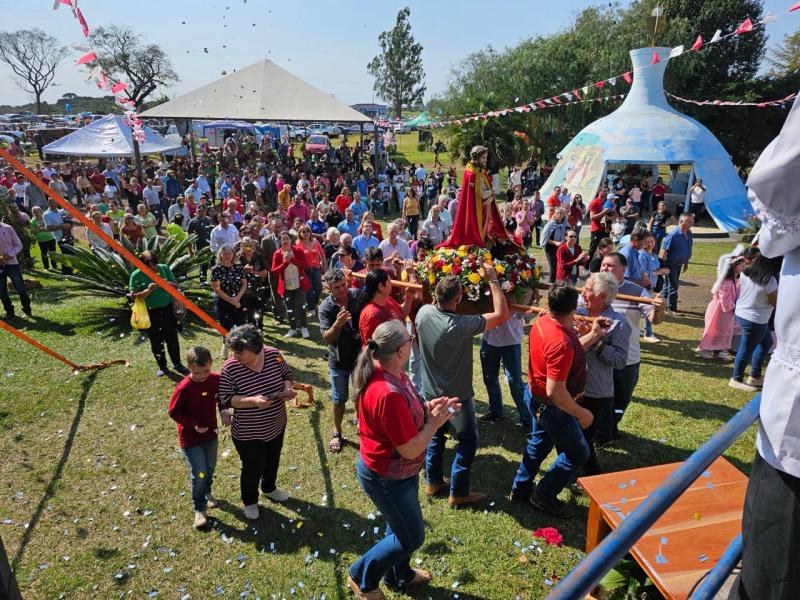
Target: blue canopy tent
[(645, 130), (238, 125)]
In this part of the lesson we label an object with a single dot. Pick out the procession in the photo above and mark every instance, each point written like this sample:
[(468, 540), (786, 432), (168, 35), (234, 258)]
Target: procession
[(258, 343)]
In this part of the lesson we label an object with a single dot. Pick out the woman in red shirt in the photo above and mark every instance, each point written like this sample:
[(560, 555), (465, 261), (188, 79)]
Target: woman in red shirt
[(379, 306), (315, 257), (289, 263), (569, 257), (395, 426)]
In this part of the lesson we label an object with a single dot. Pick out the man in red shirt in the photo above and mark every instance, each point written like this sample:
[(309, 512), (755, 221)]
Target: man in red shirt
[(380, 306), (553, 202), (556, 379), (598, 224)]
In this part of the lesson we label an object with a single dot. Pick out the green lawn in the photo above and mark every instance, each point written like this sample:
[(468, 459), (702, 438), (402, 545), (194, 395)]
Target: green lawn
[(95, 503)]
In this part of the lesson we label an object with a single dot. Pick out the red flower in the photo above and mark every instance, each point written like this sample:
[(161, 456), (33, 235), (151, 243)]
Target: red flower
[(438, 264), (456, 269), (549, 535)]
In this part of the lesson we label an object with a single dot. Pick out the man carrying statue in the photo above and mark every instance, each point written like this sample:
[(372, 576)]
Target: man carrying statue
[(478, 222)]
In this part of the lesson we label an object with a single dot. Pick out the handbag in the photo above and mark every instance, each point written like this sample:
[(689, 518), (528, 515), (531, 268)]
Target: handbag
[(140, 318)]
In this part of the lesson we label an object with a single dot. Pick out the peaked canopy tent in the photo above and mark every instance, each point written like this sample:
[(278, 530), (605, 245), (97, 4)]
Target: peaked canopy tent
[(260, 92), (110, 137), (421, 120), (646, 130)]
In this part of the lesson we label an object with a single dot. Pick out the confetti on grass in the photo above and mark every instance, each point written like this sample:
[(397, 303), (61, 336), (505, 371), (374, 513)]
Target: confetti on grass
[(661, 559)]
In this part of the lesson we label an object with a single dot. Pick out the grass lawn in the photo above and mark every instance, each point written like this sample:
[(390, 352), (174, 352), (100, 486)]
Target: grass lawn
[(95, 497)]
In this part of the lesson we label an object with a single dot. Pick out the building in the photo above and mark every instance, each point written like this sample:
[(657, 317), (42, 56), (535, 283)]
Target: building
[(376, 111)]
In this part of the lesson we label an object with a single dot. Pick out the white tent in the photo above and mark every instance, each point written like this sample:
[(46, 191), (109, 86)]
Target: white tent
[(111, 137), (261, 92)]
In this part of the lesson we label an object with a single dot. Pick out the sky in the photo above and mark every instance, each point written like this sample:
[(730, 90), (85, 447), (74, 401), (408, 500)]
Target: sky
[(328, 44)]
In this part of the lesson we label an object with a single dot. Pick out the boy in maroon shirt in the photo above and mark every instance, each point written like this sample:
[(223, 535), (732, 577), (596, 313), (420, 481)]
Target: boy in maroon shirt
[(193, 407)]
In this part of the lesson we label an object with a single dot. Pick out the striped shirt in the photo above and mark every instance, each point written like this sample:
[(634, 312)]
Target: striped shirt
[(256, 424)]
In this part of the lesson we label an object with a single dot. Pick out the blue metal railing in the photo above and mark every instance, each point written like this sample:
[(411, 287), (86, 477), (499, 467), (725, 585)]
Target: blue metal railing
[(709, 587), (583, 578)]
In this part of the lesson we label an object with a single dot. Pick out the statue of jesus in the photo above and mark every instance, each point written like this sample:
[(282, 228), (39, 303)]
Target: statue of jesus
[(478, 222)]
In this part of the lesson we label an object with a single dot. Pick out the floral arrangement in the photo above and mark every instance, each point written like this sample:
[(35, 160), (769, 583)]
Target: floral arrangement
[(517, 272), (551, 535)]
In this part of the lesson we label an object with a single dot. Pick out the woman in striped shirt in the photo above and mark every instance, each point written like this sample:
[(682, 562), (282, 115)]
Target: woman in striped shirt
[(256, 382)]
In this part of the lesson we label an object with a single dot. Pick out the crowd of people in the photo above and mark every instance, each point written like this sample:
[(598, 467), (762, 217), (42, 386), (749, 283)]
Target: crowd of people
[(300, 239)]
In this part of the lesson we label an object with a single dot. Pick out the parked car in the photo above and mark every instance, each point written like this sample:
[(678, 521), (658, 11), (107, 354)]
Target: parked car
[(317, 144), (326, 129), (298, 133), (401, 128)]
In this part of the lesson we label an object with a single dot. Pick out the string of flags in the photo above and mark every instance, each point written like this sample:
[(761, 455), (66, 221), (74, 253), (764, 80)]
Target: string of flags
[(98, 75), (771, 103), (565, 98)]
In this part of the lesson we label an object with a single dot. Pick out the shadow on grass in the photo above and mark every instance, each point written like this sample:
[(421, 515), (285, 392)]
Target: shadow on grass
[(86, 385), (696, 409)]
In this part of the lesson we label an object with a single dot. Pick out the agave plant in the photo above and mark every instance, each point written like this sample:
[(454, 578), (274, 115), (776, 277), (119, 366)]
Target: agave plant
[(107, 273)]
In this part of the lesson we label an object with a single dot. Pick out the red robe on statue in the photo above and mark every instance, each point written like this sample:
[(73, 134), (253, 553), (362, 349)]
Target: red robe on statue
[(476, 224)]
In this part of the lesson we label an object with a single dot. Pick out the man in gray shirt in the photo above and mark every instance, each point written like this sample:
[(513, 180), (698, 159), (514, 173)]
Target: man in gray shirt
[(445, 343), (610, 353)]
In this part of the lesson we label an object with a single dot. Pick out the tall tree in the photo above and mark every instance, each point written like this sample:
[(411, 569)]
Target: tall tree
[(398, 68), (785, 57), (33, 56), (144, 68)]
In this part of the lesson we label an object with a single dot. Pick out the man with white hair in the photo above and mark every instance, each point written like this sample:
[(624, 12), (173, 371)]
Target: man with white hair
[(610, 353), (394, 247), (435, 227), (444, 212), (182, 207)]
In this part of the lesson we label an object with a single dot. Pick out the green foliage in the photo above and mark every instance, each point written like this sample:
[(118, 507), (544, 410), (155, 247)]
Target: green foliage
[(596, 46), (398, 68), (101, 105), (33, 56), (626, 581), (785, 58), (10, 216), (106, 273)]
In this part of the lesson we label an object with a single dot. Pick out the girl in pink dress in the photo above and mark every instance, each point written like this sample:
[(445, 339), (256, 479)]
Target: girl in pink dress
[(720, 318)]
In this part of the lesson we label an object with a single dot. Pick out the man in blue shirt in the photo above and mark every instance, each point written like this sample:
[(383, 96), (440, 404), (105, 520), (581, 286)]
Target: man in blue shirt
[(358, 207), (365, 240), (349, 225), (676, 251), (633, 270)]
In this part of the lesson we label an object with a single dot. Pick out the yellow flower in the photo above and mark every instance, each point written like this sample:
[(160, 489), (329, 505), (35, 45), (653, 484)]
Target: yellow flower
[(446, 269), (462, 252), (462, 248), (474, 278), (537, 273), (487, 257), (525, 275), (431, 278), (499, 268)]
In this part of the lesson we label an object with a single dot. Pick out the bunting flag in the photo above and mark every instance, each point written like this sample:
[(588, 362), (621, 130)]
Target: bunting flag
[(764, 104), (676, 51), (745, 27), (697, 43), (656, 58), (627, 77), (599, 84), (119, 87), (576, 94), (612, 80), (86, 58), (717, 36), (795, 7)]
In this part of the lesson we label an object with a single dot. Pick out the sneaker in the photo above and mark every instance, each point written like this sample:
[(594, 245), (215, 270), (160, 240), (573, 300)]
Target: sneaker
[(304, 333), (672, 313), (277, 495), (706, 354), (755, 381), (741, 385), (251, 512), (211, 502), (161, 373), (724, 355), (181, 369), (27, 313), (290, 333), (551, 506), (200, 519), (650, 339)]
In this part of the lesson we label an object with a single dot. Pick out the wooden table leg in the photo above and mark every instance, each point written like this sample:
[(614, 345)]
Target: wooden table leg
[(596, 527)]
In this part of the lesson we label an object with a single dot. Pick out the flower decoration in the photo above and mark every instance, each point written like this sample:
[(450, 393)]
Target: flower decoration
[(517, 272), (551, 535)]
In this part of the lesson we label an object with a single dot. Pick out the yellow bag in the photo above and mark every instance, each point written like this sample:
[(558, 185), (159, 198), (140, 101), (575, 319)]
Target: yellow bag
[(140, 318)]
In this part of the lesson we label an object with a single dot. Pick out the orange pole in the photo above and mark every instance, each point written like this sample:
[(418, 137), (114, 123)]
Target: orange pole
[(165, 285), (38, 345)]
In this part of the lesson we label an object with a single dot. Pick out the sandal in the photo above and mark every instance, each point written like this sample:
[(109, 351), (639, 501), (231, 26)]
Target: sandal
[(335, 445)]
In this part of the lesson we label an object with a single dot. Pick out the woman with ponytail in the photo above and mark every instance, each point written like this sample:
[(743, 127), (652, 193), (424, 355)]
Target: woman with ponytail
[(378, 306), (395, 426)]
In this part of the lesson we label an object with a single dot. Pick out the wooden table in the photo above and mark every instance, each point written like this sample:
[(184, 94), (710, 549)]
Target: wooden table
[(689, 538)]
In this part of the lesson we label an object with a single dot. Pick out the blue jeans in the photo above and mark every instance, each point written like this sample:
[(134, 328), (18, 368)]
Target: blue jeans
[(671, 283), (552, 428), (202, 461), (754, 345), (315, 291), (340, 384), (464, 426), (511, 356), (415, 364), (659, 234), (12, 272), (398, 501), (648, 328)]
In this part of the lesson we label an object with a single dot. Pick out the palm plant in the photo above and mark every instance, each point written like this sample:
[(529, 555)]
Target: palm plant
[(106, 273)]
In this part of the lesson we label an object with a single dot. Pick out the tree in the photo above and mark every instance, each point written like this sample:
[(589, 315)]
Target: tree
[(398, 68), (144, 68), (34, 57), (786, 57)]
